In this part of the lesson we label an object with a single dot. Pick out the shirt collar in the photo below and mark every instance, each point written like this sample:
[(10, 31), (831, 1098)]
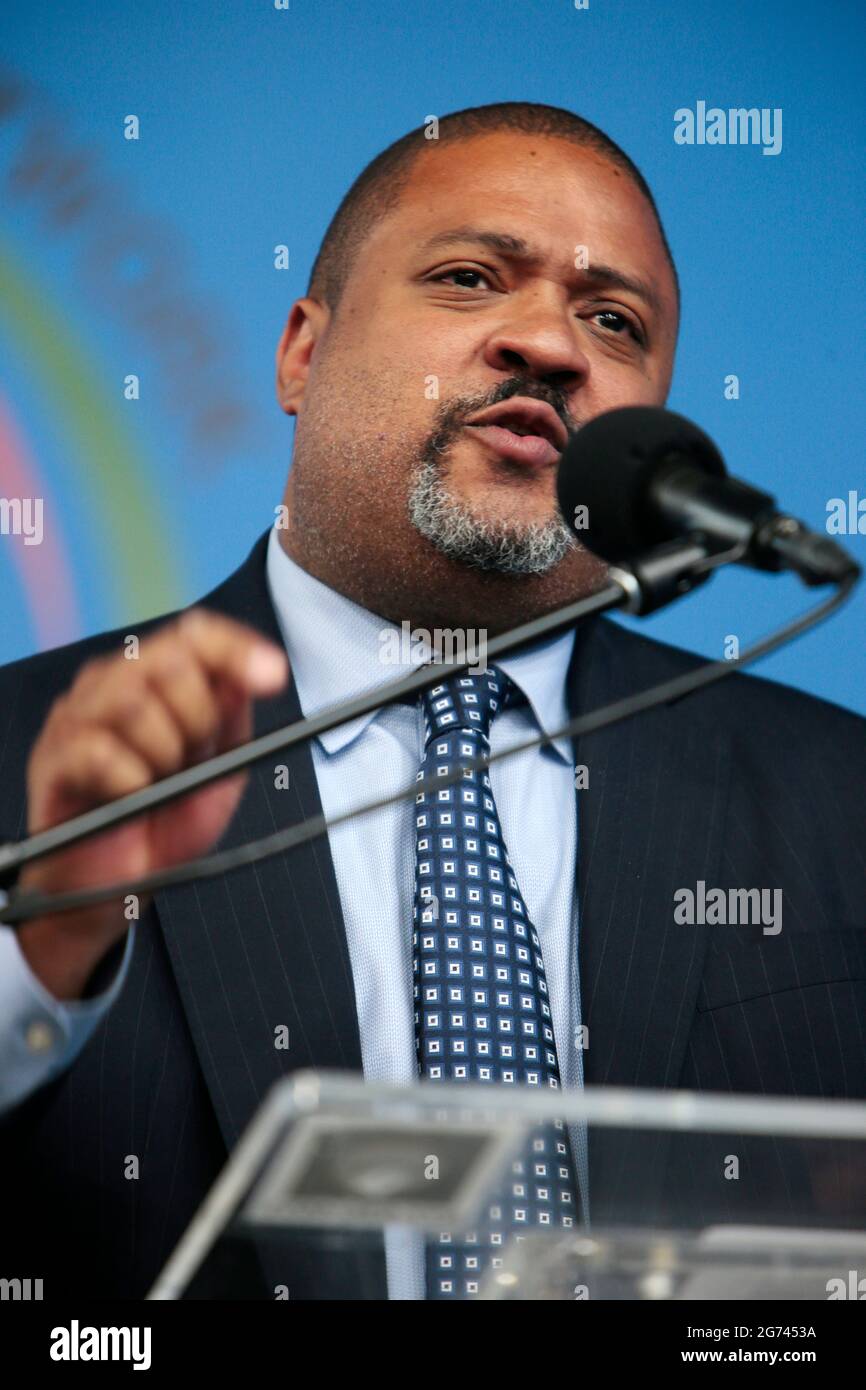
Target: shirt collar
[(335, 649)]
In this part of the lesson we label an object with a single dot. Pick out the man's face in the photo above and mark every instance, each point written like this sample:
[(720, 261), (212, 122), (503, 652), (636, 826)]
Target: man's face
[(515, 269)]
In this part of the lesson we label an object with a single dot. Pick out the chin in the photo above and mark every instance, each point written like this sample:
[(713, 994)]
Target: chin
[(516, 527), (514, 516)]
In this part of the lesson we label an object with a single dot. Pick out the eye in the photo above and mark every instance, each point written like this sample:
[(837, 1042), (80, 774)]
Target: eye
[(615, 322), (464, 272)]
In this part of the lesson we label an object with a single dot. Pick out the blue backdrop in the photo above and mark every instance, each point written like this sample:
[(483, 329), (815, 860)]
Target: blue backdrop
[(154, 258)]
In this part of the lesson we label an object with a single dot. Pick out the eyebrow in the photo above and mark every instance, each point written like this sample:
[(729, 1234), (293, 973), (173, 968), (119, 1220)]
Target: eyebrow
[(517, 249)]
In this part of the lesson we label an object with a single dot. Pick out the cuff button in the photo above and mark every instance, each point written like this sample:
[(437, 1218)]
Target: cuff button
[(39, 1036)]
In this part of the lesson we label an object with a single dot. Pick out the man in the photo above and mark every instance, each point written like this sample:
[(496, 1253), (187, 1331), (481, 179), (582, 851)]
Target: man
[(448, 313)]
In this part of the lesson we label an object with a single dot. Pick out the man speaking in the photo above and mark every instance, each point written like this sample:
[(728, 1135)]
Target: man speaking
[(450, 338)]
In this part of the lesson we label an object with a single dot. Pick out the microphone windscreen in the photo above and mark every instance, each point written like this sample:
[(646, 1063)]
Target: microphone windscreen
[(607, 468)]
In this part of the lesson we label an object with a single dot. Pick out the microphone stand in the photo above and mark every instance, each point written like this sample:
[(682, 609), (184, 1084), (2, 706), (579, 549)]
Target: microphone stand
[(653, 580), (656, 570)]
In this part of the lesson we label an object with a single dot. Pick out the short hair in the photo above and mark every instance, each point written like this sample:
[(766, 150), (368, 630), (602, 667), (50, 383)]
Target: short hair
[(378, 188)]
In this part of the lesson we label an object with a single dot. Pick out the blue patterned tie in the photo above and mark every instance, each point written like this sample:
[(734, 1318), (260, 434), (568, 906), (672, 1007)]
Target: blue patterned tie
[(482, 1012)]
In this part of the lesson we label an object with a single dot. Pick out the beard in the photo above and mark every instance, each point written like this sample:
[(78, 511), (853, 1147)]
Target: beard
[(457, 530), (498, 547)]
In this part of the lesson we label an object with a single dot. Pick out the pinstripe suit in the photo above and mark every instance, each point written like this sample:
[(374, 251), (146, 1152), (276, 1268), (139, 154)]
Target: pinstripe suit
[(747, 784)]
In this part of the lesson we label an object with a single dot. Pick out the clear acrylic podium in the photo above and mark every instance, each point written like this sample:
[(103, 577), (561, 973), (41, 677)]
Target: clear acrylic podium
[(337, 1183)]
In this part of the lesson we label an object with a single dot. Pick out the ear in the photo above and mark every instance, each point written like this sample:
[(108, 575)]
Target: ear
[(306, 323)]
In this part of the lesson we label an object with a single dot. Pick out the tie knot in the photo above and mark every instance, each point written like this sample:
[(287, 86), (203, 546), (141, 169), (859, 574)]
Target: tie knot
[(466, 702)]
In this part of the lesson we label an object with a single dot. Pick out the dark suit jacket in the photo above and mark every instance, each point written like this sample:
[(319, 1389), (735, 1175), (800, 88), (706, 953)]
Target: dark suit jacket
[(747, 784)]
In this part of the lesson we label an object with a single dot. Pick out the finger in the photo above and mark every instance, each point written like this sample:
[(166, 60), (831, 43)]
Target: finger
[(228, 649), (159, 723), (95, 766), (146, 724), (188, 693), (237, 718)]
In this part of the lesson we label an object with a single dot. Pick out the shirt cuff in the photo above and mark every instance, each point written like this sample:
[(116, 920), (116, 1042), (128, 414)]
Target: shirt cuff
[(41, 1036)]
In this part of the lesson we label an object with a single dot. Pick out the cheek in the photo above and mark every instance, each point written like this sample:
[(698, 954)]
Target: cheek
[(614, 383), (381, 408), (639, 390), (406, 332)]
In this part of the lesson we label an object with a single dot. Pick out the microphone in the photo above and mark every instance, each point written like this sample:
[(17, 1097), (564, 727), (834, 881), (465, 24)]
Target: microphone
[(639, 477)]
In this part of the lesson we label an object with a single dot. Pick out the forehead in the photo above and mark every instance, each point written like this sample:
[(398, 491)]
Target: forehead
[(545, 190)]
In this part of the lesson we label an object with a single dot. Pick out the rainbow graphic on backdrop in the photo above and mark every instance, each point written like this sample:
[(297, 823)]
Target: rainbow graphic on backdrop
[(142, 577)]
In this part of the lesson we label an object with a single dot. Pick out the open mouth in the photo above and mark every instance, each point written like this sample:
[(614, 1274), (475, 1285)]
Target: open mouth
[(522, 430)]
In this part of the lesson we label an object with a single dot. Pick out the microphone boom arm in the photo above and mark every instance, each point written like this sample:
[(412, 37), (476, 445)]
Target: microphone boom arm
[(16, 907)]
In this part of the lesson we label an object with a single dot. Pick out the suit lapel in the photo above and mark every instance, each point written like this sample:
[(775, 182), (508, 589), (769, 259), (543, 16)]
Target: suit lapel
[(650, 821), (260, 955)]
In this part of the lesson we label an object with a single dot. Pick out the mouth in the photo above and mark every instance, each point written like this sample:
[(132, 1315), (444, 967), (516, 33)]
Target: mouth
[(523, 431)]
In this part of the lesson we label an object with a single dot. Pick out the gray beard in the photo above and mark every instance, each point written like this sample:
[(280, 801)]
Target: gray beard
[(496, 547)]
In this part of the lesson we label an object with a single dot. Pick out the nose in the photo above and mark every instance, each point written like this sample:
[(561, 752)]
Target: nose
[(539, 339)]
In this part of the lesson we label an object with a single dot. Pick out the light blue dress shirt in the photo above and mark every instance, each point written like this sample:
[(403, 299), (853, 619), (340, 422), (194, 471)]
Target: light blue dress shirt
[(336, 651)]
